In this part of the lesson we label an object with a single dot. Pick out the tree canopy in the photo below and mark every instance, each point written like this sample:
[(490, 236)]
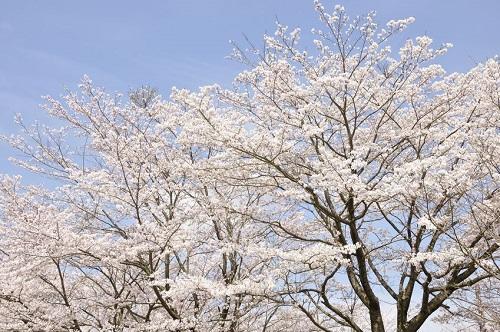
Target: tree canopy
[(339, 186)]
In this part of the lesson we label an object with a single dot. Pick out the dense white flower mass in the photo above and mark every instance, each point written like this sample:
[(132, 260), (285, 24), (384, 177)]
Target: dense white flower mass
[(322, 187)]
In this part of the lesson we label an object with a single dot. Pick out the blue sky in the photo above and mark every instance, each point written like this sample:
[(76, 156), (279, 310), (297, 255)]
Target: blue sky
[(47, 46)]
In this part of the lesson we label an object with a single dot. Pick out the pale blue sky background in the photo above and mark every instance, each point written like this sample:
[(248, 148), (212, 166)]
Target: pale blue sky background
[(47, 46)]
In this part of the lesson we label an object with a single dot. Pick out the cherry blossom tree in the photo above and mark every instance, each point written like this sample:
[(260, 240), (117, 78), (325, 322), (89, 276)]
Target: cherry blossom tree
[(344, 188)]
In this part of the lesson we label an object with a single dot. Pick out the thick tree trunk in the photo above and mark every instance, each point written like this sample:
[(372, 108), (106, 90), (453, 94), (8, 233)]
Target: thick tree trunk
[(377, 324)]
